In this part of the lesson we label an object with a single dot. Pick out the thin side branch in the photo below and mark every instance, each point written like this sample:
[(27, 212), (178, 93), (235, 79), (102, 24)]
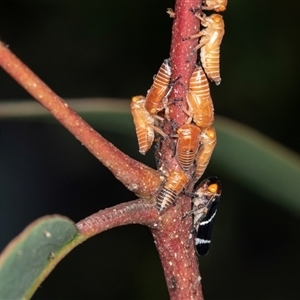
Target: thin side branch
[(137, 177), (133, 212)]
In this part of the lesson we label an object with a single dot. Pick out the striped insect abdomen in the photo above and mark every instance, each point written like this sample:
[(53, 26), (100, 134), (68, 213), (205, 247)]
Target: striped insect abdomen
[(170, 190), (143, 123), (210, 45), (187, 145), (159, 88), (199, 99), (211, 63), (208, 143)]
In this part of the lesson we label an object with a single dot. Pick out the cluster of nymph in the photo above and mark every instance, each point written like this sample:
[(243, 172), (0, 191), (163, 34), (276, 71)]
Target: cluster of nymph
[(196, 139)]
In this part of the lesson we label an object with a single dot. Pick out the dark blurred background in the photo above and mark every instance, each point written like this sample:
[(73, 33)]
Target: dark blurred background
[(112, 49)]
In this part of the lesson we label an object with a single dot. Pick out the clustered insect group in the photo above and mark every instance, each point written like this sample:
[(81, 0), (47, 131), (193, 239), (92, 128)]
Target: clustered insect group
[(196, 139)]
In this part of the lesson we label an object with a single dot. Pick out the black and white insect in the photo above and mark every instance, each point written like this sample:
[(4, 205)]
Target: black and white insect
[(205, 202)]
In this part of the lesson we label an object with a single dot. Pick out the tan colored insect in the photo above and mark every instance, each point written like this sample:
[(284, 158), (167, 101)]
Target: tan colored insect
[(199, 100), (187, 145), (209, 45), (170, 12), (208, 140), (159, 89), (170, 190), (217, 5), (144, 124)]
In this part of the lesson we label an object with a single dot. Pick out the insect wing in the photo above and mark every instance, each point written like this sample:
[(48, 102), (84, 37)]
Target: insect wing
[(204, 211), (204, 232)]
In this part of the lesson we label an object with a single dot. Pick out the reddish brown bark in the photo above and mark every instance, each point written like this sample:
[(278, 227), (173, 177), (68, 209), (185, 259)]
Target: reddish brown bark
[(173, 240), (133, 212), (137, 177)]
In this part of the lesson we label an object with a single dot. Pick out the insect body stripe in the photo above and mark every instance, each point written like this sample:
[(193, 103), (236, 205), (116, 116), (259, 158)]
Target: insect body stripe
[(143, 123), (145, 138), (199, 99), (162, 79), (159, 89), (211, 39), (209, 220), (205, 202), (208, 143), (186, 159), (211, 63), (202, 247), (187, 145), (165, 198), (170, 190), (201, 241), (198, 83), (204, 228)]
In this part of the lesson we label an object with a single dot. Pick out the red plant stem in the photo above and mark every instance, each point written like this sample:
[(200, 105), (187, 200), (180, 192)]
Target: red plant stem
[(173, 239), (133, 212), (182, 56), (176, 248), (137, 177)]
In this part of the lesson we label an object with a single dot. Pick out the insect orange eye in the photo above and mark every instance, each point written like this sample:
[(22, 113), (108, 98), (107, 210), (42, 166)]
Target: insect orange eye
[(199, 123), (137, 98), (213, 188), (211, 133), (217, 18)]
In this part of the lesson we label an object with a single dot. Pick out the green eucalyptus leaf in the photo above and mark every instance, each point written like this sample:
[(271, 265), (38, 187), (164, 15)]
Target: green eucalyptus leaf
[(28, 259)]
